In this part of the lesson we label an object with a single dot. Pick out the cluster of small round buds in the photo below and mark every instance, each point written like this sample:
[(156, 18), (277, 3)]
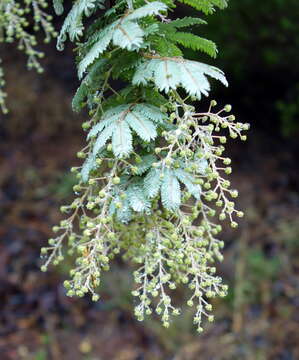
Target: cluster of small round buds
[(182, 245)]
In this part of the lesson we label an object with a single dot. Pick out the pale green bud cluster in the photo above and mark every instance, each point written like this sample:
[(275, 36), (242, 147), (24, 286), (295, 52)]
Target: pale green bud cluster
[(154, 177), (15, 19), (3, 95), (171, 248)]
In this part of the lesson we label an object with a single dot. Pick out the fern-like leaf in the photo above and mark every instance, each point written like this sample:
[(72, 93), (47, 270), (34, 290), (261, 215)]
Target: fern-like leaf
[(125, 33), (88, 165), (122, 140), (104, 123), (151, 112), (103, 40), (170, 73), (165, 47), (137, 199), (116, 123), (89, 84), (73, 25), (152, 183), (145, 129), (152, 8), (188, 181), (124, 214), (201, 166), (128, 35), (186, 22), (79, 97), (194, 42), (103, 138), (170, 191), (206, 6), (145, 164)]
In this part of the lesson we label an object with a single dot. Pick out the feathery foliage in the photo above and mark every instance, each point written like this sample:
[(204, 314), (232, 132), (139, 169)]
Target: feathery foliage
[(185, 39), (118, 123), (154, 175), (171, 73), (206, 6), (73, 24), (153, 164)]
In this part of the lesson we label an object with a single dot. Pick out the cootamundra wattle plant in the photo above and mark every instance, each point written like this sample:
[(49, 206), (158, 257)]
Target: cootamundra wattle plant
[(17, 19), (153, 182)]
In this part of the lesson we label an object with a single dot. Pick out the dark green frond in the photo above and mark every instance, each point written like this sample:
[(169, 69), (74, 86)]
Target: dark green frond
[(194, 42), (185, 22), (206, 6)]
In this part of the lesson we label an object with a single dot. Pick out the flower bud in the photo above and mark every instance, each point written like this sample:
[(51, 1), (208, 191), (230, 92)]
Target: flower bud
[(116, 180), (228, 108)]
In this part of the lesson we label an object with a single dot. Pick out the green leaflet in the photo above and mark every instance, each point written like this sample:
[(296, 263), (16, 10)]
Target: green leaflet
[(171, 36), (145, 128), (202, 166), (123, 65), (188, 181), (104, 123), (116, 123), (171, 73), (152, 8), (145, 163), (73, 23), (151, 112), (153, 96), (89, 164), (206, 6), (158, 179), (124, 96), (186, 22), (122, 140), (166, 48), (151, 29), (194, 42), (80, 96), (124, 213), (152, 183), (89, 84), (170, 191), (137, 199), (106, 134), (125, 33), (103, 40), (128, 35)]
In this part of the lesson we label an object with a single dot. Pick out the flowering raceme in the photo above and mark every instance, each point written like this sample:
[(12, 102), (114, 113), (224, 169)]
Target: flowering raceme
[(153, 186), (16, 17)]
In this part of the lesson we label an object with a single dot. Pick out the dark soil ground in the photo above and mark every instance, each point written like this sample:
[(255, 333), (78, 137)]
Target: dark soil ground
[(259, 320)]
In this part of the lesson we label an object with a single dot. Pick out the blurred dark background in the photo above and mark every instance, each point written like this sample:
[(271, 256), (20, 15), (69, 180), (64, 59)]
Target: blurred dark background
[(259, 320)]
